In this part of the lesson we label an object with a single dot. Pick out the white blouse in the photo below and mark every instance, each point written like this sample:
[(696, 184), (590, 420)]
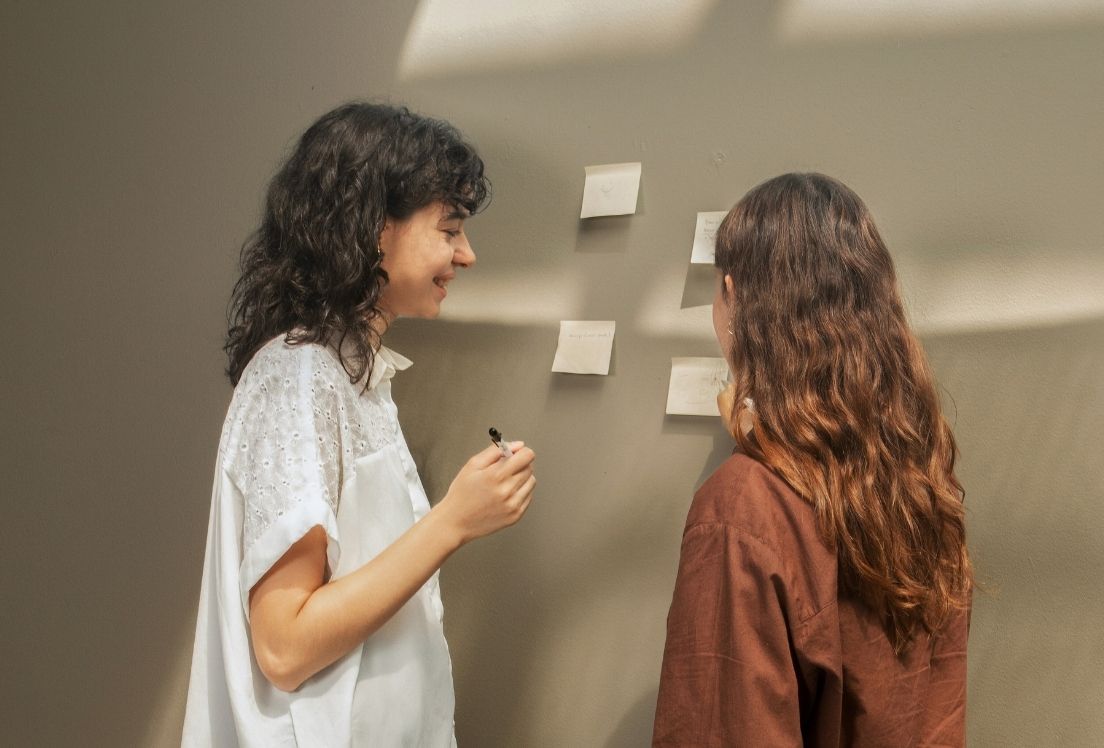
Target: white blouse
[(302, 446)]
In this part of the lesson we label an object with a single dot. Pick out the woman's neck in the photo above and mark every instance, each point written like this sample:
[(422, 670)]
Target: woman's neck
[(380, 324)]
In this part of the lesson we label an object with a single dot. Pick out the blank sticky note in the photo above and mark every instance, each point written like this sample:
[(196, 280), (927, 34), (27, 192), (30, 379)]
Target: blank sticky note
[(695, 384), (705, 236), (610, 190), (584, 348)]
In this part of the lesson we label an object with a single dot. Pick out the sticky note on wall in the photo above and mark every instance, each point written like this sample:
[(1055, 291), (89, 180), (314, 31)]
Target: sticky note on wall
[(695, 384), (584, 347), (705, 236), (610, 190)]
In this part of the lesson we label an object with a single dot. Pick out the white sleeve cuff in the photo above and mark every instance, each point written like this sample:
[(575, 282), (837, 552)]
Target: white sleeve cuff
[(287, 530)]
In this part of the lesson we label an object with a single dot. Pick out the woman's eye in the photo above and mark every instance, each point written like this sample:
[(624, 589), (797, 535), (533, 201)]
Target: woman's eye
[(452, 232)]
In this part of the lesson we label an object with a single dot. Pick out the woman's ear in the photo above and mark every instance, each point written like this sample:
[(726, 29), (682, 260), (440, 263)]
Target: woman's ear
[(730, 287)]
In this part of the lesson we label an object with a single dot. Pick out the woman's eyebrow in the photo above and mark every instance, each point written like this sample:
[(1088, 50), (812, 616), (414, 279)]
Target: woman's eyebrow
[(457, 213)]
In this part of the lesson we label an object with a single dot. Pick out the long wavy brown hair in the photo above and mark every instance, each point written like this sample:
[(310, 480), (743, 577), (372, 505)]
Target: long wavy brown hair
[(842, 402)]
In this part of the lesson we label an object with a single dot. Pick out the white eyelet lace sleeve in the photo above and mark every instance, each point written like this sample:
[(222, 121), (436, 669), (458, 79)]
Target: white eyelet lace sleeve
[(283, 451)]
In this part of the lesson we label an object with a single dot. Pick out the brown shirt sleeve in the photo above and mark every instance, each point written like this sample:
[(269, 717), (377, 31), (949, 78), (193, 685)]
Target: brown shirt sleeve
[(944, 724), (728, 676)]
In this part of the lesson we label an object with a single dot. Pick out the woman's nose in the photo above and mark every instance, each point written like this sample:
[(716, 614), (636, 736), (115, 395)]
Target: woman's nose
[(464, 256)]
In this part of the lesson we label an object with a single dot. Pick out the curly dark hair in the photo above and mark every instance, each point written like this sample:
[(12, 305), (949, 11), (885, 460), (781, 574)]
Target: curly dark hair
[(312, 270)]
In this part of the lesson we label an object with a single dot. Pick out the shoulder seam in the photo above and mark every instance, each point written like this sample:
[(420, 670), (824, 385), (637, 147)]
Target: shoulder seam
[(726, 527), (769, 549)]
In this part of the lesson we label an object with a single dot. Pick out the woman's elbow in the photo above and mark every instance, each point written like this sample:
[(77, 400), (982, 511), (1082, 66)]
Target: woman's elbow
[(281, 669)]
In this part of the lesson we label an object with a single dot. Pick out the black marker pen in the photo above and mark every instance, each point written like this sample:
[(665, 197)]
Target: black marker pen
[(496, 437)]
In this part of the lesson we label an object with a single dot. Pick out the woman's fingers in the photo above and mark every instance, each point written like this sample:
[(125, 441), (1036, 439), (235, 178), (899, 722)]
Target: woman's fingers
[(492, 455), (518, 480), (509, 472), (522, 457), (486, 457), (527, 488), (524, 496)]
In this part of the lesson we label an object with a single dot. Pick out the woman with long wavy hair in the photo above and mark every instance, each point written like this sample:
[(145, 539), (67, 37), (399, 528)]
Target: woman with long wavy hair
[(824, 584), (320, 615)]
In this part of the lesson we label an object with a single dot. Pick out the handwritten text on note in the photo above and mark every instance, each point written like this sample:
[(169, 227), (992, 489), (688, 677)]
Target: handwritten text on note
[(584, 347)]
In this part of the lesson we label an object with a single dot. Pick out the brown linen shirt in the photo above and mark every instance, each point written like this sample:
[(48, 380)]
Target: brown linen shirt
[(762, 651)]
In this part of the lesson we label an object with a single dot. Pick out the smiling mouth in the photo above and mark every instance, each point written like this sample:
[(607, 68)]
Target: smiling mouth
[(441, 282)]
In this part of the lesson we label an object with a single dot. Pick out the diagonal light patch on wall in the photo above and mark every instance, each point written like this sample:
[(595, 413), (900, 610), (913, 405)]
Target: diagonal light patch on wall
[(979, 291), (1003, 289), (812, 20), (452, 36)]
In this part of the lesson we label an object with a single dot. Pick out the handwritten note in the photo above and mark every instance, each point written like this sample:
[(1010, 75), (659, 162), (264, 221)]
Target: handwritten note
[(584, 348), (695, 384), (610, 190), (705, 236)]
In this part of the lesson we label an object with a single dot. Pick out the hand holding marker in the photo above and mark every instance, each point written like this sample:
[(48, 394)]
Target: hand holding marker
[(496, 437), (491, 491)]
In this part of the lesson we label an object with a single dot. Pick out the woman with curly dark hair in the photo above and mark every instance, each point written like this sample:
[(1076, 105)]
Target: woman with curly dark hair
[(824, 585), (320, 615)]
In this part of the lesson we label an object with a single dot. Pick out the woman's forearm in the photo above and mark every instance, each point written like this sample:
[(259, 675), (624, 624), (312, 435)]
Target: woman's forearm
[(305, 631), (300, 623)]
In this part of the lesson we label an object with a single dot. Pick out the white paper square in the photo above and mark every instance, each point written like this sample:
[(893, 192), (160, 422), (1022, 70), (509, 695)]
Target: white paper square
[(584, 347), (695, 384), (705, 236), (610, 190)]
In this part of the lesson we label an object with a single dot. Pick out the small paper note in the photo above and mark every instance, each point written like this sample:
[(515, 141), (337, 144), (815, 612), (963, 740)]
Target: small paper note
[(584, 348), (610, 190), (695, 384), (705, 236)]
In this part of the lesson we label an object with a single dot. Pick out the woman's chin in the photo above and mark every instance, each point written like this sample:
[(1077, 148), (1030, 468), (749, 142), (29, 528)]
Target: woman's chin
[(431, 312)]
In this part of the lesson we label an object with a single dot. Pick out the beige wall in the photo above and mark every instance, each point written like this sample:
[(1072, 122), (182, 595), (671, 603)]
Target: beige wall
[(136, 140)]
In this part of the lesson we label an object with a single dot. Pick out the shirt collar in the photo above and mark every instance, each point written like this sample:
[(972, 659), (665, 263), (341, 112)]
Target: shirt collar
[(385, 364)]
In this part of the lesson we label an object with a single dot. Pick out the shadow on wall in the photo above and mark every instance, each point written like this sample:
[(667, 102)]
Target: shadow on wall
[(635, 727)]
